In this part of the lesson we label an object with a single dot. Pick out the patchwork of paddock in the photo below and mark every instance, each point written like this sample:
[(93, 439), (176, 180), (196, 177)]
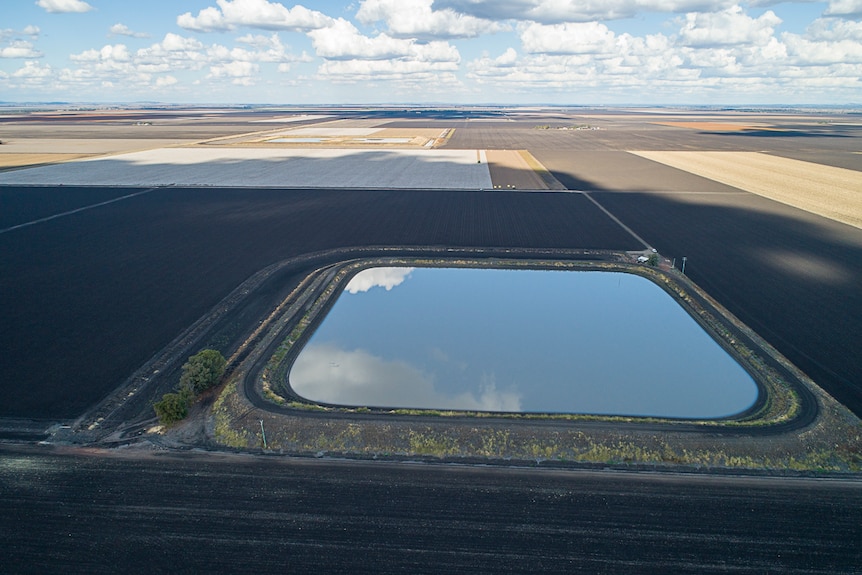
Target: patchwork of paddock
[(352, 137), (835, 193)]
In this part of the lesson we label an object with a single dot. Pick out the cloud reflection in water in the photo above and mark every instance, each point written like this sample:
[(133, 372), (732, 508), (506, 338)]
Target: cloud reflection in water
[(328, 374), (377, 277)]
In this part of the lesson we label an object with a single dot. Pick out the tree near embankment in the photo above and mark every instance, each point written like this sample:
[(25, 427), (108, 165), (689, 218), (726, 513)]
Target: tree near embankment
[(172, 408), (201, 372)]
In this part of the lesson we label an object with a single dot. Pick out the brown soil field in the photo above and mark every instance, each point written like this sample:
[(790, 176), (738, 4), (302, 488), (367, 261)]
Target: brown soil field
[(419, 137), (713, 126), (19, 160), (428, 133), (622, 171), (82, 146), (831, 192), (509, 170), (192, 512)]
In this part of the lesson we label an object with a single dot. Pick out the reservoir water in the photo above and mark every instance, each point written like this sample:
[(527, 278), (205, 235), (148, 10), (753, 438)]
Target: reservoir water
[(589, 342)]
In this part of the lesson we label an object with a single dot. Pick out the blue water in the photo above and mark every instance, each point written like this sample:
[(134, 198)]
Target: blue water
[(519, 340)]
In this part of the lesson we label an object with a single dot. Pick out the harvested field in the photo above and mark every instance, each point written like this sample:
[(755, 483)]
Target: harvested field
[(834, 193), (83, 146), (714, 126), (622, 171), (130, 276), (291, 119), (350, 137), (518, 169), (20, 160), (326, 130), (282, 167)]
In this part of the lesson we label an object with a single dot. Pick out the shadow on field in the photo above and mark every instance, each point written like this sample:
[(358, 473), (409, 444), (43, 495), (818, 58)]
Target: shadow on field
[(272, 166), (792, 276), (779, 132), (94, 295)]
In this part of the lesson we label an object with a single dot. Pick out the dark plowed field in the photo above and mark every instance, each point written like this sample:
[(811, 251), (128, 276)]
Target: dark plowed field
[(205, 514), (89, 297), (21, 205), (792, 276)]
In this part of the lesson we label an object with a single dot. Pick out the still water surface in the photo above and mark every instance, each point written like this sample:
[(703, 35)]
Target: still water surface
[(517, 341)]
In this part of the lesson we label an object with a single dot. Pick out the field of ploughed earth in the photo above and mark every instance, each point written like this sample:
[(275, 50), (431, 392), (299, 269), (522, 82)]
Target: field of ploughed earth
[(98, 292), (193, 513)]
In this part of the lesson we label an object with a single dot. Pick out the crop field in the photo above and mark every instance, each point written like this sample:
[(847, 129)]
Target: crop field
[(834, 193), (90, 514)]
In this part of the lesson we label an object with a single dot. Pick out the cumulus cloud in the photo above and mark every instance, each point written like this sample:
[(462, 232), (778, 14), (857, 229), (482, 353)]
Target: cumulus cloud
[(57, 6), (561, 11), (240, 73), (573, 38), (326, 373), (33, 70), (342, 41), (844, 8), (424, 78), (834, 29), (19, 49), (165, 81), (803, 51), (387, 278), (261, 14), (110, 53), (417, 19), (123, 30), (726, 54), (159, 64), (728, 27)]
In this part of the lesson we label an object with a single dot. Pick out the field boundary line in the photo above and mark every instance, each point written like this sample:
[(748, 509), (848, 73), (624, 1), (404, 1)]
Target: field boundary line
[(827, 191), (617, 220), (76, 210)]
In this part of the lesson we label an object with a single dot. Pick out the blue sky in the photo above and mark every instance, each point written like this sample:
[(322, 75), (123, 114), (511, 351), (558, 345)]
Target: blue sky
[(427, 51)]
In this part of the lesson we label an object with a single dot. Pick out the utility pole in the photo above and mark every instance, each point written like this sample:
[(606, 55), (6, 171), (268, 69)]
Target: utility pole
[(683, 265), (263, 434)]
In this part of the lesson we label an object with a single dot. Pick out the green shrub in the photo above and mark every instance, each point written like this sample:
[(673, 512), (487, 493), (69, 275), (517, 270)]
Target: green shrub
[(172, 408), (202, 371)]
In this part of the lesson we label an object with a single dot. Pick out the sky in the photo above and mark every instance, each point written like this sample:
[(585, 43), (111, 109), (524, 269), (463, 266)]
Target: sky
[(569, 52)]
